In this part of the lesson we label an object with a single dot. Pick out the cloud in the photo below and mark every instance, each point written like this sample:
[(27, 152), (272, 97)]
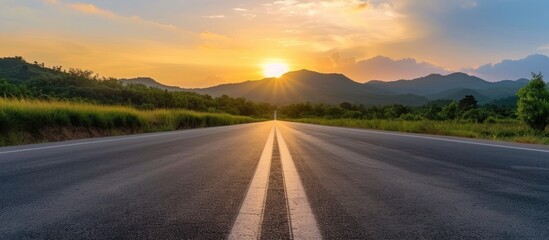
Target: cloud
[(97, 11), (512, 69), (361, 6), (378, 68), (285, 2), (91, 9), (94, 10), (359, 23), (469, 4), (245, 12), (214, 16)]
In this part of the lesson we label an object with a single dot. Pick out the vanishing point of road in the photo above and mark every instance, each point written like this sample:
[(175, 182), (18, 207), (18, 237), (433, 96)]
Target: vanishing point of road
[(275, 180)]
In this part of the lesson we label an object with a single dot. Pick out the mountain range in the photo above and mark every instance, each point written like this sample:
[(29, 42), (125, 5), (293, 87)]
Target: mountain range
[(305, 85), (388, 69)]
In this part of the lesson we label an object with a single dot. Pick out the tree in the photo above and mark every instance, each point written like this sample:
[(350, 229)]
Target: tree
[(450, 111), (533, 103), (346, 106), (467, 103)]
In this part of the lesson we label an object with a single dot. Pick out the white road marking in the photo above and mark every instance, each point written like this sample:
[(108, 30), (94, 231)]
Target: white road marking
[(463, 141), (302, 220), (439, 139), (250, 217)]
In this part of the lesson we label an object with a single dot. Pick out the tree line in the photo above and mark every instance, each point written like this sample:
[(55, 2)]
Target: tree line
[(465, 109), (86, 86), (532, 107), (19, 79)]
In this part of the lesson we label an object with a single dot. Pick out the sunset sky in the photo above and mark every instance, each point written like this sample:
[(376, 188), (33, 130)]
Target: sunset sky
[(207, 42)]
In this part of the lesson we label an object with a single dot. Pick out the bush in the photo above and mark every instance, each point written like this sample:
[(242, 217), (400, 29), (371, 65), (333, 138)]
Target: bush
[(533, 103), (352, 114), (490, 119), (475, 115), (410, 117)]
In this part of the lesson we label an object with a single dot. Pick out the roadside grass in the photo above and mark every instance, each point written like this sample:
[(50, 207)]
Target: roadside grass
[(502, 130), (34, 121)]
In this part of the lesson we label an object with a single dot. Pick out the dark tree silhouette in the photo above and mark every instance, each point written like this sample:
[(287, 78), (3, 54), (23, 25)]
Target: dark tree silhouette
[(468, 102)]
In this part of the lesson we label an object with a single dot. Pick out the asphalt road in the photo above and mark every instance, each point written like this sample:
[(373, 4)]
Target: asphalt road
[(180, 185), (376, 185), (191, 184)]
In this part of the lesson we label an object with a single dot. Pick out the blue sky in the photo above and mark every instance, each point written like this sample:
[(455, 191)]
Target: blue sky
[(200, 43)]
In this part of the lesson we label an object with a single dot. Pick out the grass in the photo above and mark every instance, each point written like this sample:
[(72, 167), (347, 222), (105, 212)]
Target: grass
[(502, 130), (32, 121)]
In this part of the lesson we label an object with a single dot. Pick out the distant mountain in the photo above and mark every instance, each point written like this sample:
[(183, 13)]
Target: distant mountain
[(304, 85), (453, 86), (388, 69), (149, 82), (513, 69), (459, 93), (431, 84)]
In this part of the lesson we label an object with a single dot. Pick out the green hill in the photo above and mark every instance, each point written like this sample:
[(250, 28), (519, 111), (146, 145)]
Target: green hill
[(21, 79)]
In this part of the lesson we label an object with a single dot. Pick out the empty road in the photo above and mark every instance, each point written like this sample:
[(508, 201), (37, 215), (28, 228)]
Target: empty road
[(275, 180)]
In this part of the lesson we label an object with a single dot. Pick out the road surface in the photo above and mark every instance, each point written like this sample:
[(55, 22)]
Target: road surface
[(274, 182)]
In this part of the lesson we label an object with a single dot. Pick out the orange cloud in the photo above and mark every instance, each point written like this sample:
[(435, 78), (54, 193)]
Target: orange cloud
[(361, 6), (359, 23), (91, 9), (94, 10), (215, 16)]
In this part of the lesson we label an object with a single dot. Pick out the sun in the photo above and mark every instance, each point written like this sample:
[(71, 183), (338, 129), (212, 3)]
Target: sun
[(275, 69)]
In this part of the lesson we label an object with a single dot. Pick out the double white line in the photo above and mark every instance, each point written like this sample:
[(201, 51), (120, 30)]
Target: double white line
[(302, 222)]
